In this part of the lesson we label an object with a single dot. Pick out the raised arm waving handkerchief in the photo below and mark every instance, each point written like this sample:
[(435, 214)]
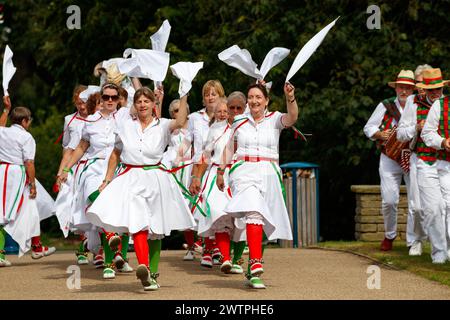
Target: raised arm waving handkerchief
[(159, 41), (145, 63), (242, 60), (186, 72), (308, 49), (8, 69), (84, 95)]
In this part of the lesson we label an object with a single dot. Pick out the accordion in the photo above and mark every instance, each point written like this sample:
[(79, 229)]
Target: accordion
[(392, 147)]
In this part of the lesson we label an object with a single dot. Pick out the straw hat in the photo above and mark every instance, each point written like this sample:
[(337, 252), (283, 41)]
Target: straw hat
[(113, 75), (432, 79), (404, 77)]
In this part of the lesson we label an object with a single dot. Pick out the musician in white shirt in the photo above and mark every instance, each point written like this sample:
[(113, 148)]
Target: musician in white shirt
[(379, 127)]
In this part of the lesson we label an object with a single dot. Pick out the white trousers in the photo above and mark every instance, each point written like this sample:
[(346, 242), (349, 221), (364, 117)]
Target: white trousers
[(434, 187), (417, 232), (443, 168), (390, 180)]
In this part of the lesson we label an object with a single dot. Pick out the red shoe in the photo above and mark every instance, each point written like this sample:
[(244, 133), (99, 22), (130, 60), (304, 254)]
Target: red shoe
[(386, 244)]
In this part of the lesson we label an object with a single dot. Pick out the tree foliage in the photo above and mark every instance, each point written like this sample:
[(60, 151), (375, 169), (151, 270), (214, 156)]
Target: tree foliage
[(337, 89)]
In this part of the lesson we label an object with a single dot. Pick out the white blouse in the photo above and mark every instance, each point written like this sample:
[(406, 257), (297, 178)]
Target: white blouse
[(142, 147), (73, 125), (258, 138), (218, 137), (16, 145), (99, 132), (198, 132)]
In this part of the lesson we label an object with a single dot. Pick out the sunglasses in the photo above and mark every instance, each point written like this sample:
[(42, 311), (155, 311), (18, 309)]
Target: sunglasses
[(106, 97), (235, 107)]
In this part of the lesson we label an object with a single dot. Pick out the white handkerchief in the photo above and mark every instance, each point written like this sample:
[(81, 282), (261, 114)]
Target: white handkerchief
[(274, 57), (84, 95), (186, 72), (110, 62), (160, 38), (159, 41), (145, 63), (240, 59), (8, 69), (308, 49)]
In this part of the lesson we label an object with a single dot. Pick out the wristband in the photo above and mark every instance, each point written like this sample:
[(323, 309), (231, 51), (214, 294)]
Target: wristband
[(195, 177), (106, 181), (292, 101), (66, 170)]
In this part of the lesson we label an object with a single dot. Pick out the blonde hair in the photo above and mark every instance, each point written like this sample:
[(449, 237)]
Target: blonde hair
[(213, 84)]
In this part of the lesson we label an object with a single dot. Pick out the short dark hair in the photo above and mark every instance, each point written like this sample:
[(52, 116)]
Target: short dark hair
[(109, 85), (18, 114), (144, 91), (260, 87)]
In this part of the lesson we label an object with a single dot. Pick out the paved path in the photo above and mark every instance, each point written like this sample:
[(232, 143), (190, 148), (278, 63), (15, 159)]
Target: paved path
[(289, 274)]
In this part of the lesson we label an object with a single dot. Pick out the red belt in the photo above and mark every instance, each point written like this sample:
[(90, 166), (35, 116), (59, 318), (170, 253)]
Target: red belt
[(255, 158)]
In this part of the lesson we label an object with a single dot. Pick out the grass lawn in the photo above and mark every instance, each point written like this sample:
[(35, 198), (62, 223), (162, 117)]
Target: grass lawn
[(397, 258)]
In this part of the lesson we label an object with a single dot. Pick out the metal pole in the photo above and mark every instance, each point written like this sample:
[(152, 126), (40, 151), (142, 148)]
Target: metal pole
[(294, 207), (317, 204)]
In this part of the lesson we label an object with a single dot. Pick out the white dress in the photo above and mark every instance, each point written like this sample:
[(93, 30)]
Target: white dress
[(98, 130), (145, 197), (179, 139), (257, 186), (20, 215), (68, 192)]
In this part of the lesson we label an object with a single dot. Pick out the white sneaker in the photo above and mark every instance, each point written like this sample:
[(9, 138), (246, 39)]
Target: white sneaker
[(46, 251), (197, 248), (126, 268), (226, 266), (189, 256), (4, 263), (206, 262), (82, 260), (109, 273), (416, 249), (439, 260), (246, 250), (236, 269)]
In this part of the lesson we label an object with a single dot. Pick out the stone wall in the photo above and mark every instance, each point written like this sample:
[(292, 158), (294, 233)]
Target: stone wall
[(369, 225)]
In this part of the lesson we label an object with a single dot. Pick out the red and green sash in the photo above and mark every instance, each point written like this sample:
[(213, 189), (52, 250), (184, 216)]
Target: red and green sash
[(443, 128), (392, 113), (423, 152)]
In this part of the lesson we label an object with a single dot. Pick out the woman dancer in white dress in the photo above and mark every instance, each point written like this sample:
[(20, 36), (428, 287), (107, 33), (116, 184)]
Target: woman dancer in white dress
[(18, 192), (199, 123), (97, 142), (217, 223), (68, 191), (144, 198), (255, 178)]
